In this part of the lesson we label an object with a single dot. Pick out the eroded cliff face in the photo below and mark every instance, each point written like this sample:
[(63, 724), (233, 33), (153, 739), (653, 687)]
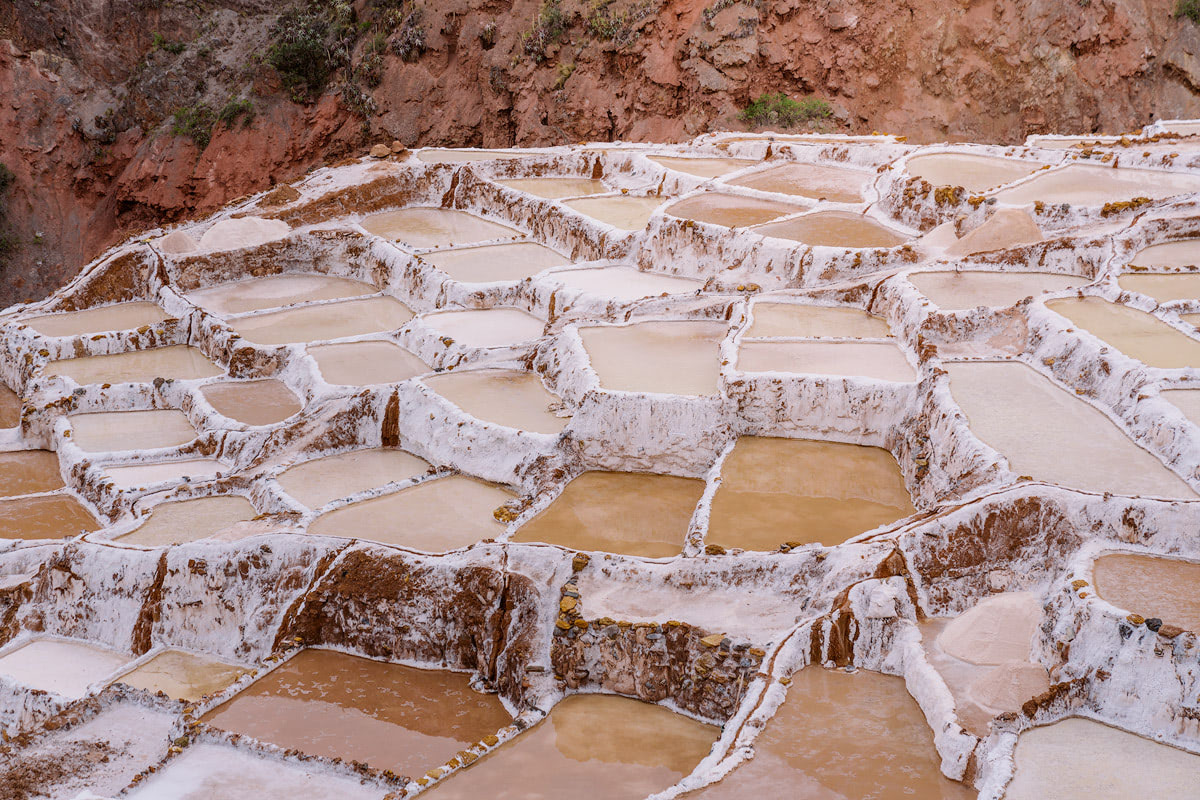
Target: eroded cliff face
[(90, 88)]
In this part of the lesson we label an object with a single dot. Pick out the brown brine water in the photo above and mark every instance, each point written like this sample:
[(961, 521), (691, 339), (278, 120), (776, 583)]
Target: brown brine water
[(152, 472), (435, 227), (119, 317), (556, 188), (180, 362), (879, 360), (29, 472), (804, 320), (842, 737), (489, 327), (834, 229), (497, 262), (512, 398), (264, 402), (703, 167), (961, 291), (336, 320), (44, 517), (315, 483), (365, 363), (1135, 333), (975, 173), (665, 357), (599, 747), (626, 213), (105, 431), (1165, 588), (10, 407), (815, 181), (730, 210), (1183, 253), (624, 283), (189, 520), (618, 512), (64, 667), (1164, 288), (183, 676), (1094, 185), (274, 291), (389, 716), (775, 491)]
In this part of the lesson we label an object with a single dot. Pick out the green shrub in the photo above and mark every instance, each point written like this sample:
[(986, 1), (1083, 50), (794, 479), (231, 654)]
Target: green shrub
[(548, 27), (1189, 9), (196, 122), (621, 27), (6, 178), (157, 42), (299, 54), (235, 109), (780, 110)]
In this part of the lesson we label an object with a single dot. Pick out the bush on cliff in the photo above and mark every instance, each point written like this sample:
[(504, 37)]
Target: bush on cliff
[(298, 52), (1189, 9), (782, 111)]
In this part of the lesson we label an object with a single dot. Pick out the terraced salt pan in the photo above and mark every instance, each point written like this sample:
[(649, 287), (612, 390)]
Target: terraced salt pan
[(452, 156), (602, 747), (666, 357), (880, 360), (1183, 253), (1163, 288), (834, 229), (557, 188), (119, 317), (275, 291), (1186, 400), (1135, 333), (183, 676), (29, 472), (618, 512), (135, 475), (1163, 588), (842, 736), (803, 320), (1091, 185), (996, 630), (730, 210), (315, 483), (264, 402), (336, 320), (1078, 759), (55, 516), (966, 290), (190, 520), (489, 327), (230, 234), (1051, 435), (434, 516), (105, 431), (626, 213), (814, 181), (511, 398), (389, 716), (497, 262), (179, 362), (10, 407), (435, 227), (365, 363), (624, 283), (703, 167), (775, 491), (60, 666), (208, 771), (975, 173)]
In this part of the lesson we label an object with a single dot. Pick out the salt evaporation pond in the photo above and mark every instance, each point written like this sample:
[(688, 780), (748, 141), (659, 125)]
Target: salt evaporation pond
[(1164, 288), (804, 320), (1186, 400), (436, 155), (512, 398), (63, 667), (625, 213), (262, 402), (239, 232), (1169, 255), (209, 771), (497, 262), (185, 521), (730, 210), (487, 327), (814, 181), (838, 736), (335, 320), (54, 516), (10, 408), (1151, 586), (1078, 759), (29, 472), (601, 747), (179, 362), (105, 431), (365, 363), (878, 360), (970, 289), (276, 291), (1049, 434), (975, 173), (624, 283), (665, 357), (834, 229), (703, 167), (134, 475), (435, 227), (1092, 185), (775, 491), (317, 482), (119, 317), (183, 676), (637, 514), (1135, 333), (389, 716), (553, 188), (434, 516)]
